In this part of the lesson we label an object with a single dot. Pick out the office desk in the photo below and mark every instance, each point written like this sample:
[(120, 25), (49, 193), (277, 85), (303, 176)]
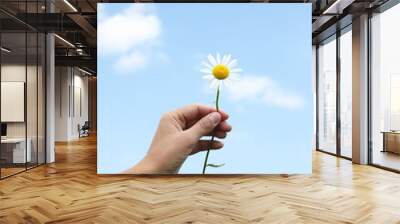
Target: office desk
[(391, 141), (13, 150)]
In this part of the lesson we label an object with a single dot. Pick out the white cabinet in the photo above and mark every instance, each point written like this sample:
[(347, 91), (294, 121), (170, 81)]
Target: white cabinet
[(18, 149)]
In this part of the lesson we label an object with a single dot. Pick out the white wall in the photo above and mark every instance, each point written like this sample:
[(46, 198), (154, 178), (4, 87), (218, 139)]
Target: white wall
[(79, 117), (34, 126), (62, 81), (15, 72), (12, 100), (70, 84)]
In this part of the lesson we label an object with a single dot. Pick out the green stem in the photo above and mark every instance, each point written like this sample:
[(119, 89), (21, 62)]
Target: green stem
[(212, 137)]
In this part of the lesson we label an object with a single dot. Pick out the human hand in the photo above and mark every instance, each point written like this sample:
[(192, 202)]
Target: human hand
[(179, 135)]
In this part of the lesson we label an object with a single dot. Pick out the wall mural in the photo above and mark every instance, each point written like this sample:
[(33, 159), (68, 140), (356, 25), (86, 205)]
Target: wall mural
[(204, 88)]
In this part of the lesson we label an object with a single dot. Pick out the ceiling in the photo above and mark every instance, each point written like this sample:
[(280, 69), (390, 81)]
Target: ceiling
[(76, 22)]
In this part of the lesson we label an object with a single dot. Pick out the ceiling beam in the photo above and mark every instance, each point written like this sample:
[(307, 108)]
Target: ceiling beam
[(49, 22), (84, 24), (81, 61), (337, 6)]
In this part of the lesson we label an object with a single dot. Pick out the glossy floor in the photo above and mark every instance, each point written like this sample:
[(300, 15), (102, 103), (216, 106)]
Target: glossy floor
[(70, 191), (386, 159)]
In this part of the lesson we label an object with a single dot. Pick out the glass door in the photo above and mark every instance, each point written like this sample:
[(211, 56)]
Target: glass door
[(346, 92), (327, 95)]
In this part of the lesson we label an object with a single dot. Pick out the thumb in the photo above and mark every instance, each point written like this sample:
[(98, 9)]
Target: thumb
[(205, 125)]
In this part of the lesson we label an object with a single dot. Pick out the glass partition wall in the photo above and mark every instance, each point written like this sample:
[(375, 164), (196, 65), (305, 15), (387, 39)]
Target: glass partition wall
[(13, 88), (385, 89), (334, 110), (334, 100), (22, 89)]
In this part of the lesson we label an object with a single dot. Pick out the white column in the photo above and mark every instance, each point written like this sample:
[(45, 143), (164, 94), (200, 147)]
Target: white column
[(50, 92), (360, 90), (50, 99)]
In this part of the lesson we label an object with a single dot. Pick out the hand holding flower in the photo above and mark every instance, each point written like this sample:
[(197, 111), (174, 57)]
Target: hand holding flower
[(180, 132), (179, 135)]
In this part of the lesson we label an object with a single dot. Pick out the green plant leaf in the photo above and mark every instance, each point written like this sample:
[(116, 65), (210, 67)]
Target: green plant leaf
[(215, 165)]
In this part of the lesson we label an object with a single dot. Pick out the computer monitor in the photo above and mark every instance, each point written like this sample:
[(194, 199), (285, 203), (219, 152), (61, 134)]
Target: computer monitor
[(3, 129)]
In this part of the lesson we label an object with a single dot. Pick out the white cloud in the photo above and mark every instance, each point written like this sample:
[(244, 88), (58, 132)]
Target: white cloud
[(263, 89), (121, 32), (131, 37)]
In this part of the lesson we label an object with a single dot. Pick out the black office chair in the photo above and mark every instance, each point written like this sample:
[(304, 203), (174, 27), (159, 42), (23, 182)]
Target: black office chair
[(84, 130)]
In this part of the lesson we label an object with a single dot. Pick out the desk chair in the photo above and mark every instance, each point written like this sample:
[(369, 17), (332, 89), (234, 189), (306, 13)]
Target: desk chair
[(84, 130)]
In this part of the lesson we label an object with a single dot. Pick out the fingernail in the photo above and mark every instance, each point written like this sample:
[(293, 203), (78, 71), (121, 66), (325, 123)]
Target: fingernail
[(215, 117)]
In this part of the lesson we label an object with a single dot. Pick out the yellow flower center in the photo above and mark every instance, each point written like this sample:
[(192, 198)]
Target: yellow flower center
[(220, 72)]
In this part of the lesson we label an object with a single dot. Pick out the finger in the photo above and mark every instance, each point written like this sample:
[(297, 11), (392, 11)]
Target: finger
[(204, 145), (224, 115), (224, 126), (221, 130), (192, 113), (192, 122), (204, 126), (218, 134)]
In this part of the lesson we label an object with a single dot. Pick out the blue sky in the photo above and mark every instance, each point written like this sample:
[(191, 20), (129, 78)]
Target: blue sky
[(149, 62)]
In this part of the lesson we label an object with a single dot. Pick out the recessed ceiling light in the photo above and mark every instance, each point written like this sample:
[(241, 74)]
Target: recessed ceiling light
[(338, 6), (70, 5), (5, 50), (64, 40), (84, 71)]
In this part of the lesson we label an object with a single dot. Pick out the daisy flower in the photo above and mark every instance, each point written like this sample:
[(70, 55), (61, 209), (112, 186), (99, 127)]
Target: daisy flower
[(219, 71)]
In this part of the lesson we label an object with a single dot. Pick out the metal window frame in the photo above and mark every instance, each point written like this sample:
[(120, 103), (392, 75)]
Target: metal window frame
[(339, 32)]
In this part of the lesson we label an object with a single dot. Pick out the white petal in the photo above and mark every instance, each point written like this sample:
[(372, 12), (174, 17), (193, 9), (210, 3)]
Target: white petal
[(232, 67), (219, 84), (208, 77), (212, 60), (218, 58), (226, 59), (227, 82), (232, 63), (214, 83), (236, 70), (206, 65), (206, 70)]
